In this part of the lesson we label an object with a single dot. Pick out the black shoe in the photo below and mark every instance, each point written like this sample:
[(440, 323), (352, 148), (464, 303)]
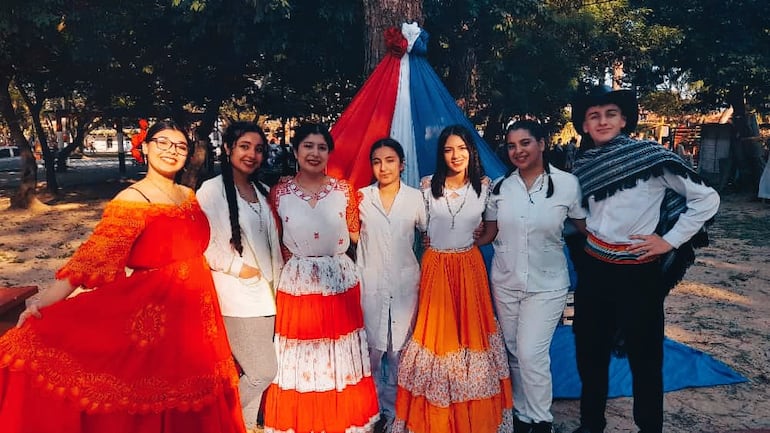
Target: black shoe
[(379, 426), (520, 426)]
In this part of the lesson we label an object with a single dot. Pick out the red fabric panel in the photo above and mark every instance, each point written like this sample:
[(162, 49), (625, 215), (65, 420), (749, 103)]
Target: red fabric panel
[(327, 411), (298, 316), (367, 119)]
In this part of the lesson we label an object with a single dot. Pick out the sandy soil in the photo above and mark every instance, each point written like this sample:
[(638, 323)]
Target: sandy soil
[(722, 307)]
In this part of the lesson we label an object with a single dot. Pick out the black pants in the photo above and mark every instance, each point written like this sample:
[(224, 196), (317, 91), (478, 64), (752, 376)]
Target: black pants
[(625, 298)]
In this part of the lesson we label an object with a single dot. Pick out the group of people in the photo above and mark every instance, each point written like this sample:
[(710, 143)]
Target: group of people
[(198, 304), (562, 156)]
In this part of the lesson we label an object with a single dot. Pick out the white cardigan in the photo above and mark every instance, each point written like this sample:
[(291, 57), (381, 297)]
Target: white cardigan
[(238, 297)]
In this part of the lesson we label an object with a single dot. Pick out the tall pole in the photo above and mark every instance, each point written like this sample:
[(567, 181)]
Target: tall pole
[(121, 147)]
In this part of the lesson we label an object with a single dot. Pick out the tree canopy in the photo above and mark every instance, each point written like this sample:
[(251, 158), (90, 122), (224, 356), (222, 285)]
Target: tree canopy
[(110, 60)]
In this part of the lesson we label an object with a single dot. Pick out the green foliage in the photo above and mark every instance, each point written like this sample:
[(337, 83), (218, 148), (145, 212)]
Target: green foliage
[(624, 34), (534, 73), (288, 58), (529, 52), (725, 43), (664, 103)]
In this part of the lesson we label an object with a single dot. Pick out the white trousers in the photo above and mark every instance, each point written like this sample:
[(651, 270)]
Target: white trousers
[(528, 321)]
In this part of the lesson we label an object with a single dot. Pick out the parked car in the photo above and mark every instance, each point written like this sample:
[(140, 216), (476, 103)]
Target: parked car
[(10, 159), (9, 151)]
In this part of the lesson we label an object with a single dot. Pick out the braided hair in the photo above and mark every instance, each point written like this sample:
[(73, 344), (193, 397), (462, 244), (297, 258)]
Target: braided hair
[(475, 172), (233, 132), (538, 131)]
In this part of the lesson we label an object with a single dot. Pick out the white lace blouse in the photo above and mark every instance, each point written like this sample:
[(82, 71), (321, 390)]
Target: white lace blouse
[(454, 216)]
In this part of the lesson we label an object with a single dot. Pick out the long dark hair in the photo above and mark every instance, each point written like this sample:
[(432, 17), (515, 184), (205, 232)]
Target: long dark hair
[(233, 132), (538, 131), (165, 124), (307, 128), (475, 172)]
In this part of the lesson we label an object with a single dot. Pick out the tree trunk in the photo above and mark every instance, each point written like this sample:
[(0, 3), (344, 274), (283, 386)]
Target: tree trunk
[(77, 138), (494, 133), (744, 171), (49, 157), (380, 15), (200, 163), (463, 72), (617, 74), (25, 195)]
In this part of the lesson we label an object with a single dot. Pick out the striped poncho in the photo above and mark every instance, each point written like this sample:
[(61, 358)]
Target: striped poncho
[(619, 165)]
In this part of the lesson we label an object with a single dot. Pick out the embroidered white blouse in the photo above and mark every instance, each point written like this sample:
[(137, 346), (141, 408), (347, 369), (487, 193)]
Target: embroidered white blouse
[(453, 217), (529, 247), (390, 273), (317, 237), (636, 211), (239, 297)]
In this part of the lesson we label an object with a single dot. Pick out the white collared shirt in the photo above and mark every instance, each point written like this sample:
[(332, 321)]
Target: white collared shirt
[(390, 273), (529, 247), (636, 211)]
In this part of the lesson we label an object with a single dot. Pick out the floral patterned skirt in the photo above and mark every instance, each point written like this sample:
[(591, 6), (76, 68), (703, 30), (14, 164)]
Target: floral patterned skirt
[(453, 376), (324, 381)]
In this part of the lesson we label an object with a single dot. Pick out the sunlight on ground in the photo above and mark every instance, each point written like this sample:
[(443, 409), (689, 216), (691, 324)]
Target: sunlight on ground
[(40, 207), (719, 264), (69, 206), (711, 292), (678, 333)]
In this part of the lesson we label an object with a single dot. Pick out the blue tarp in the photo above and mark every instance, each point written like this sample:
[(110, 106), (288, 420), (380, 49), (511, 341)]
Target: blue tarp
[(683, 367)]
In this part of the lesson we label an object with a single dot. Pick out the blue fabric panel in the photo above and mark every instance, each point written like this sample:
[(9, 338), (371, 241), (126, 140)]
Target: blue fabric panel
[(683, 367), (433, 109)]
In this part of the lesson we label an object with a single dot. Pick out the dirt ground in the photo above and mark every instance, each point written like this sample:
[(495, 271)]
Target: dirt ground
[(722, 307)]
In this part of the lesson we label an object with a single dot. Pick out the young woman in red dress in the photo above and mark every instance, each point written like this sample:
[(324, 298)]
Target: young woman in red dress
[(143, 349)]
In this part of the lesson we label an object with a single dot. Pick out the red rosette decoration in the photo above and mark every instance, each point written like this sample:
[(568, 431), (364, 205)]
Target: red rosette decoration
[(395, 42), (137, 140)]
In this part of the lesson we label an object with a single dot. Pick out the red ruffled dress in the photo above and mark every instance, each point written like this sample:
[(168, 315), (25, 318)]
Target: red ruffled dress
[(145, 351)]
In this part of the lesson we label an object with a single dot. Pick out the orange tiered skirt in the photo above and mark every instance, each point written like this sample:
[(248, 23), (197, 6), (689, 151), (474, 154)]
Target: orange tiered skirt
[(453, 376), (324, 381)]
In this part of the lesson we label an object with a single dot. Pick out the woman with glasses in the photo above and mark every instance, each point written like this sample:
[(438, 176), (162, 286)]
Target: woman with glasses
[(245, 259), (143, 348), (324, 382)]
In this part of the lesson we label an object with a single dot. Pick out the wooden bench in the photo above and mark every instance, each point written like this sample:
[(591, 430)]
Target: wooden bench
[(12, 304), (12, 297)]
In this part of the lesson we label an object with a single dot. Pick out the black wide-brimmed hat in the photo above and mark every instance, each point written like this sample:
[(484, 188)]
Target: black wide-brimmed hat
[(603, 95)]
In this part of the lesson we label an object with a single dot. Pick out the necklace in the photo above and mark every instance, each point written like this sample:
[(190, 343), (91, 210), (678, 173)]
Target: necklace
[(176, 203), (540, 178), (258, 209), (305, 194), (449, 208)]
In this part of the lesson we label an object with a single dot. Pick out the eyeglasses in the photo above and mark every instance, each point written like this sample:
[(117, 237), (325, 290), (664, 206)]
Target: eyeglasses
[(164, 144)]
